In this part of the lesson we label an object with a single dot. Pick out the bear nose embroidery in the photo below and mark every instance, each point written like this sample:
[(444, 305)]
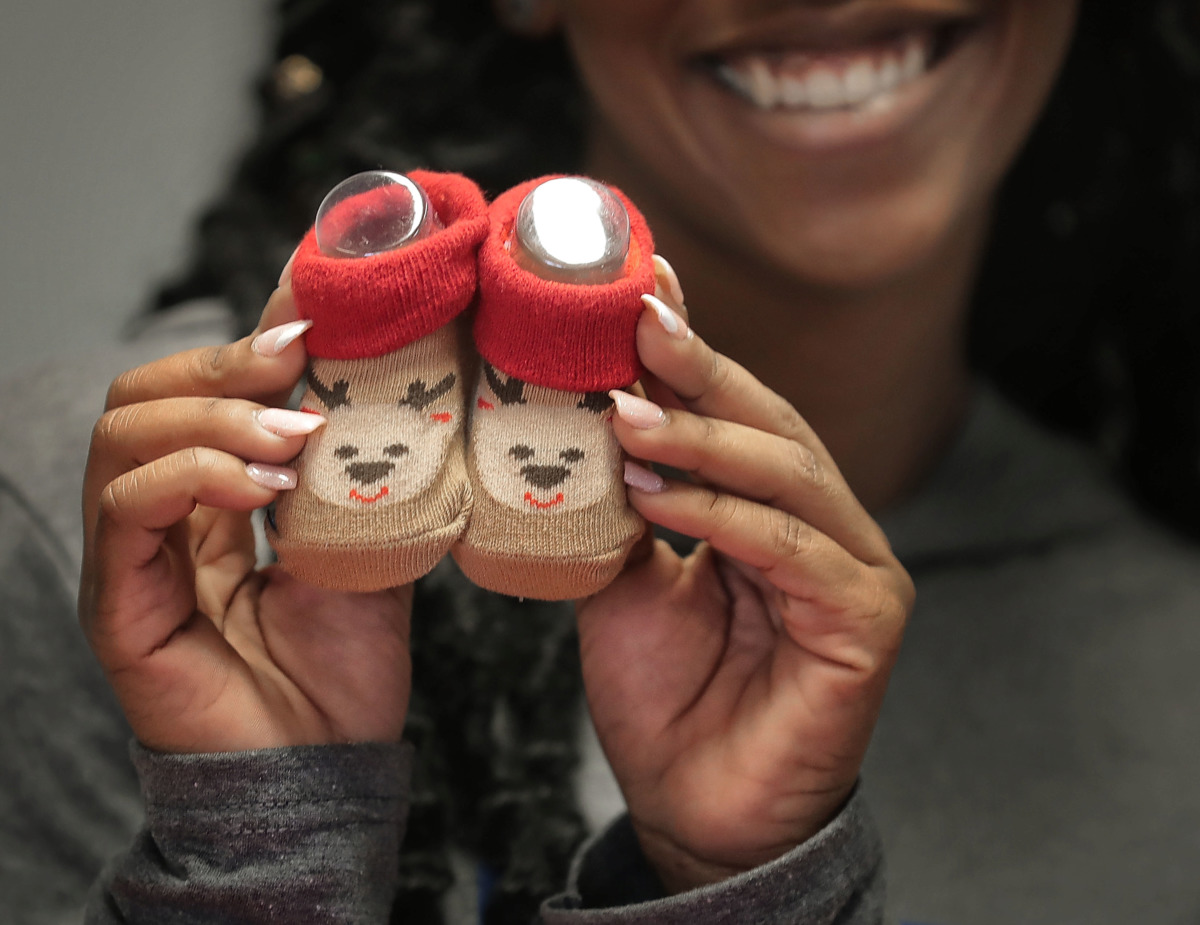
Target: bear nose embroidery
[(368, 472), (545, 476)]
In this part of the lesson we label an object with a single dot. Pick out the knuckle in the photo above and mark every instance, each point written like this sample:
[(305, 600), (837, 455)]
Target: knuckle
[(199, 459), (212, 407), (122, 388), (721, 509), (804, 464), (117, 497), (210, 365), (719, 373), (709, 434), (893, 597), (791, 538), (788, 421), (904, 590), (113, 427)]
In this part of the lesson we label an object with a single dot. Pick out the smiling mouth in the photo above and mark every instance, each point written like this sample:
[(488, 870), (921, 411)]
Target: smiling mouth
[(831, 80), (368, 499), (542, 505)]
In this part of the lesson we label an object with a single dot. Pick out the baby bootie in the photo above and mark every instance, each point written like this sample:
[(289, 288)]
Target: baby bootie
[(550, 518), (383, 491)]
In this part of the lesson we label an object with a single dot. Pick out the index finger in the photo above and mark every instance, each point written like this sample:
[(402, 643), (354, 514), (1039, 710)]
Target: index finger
[(265, 365)]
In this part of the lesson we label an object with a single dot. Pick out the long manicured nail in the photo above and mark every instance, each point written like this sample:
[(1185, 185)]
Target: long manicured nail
[(643, 479), (287, 267), (284, 423), (637, 412), (672, 323), (276, 478), (666, 273), (273, 341)]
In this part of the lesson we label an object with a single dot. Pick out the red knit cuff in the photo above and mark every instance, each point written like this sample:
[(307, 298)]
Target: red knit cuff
[(369, 306), (578, 338)]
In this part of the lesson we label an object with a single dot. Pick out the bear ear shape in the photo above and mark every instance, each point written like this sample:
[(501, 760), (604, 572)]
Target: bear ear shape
[(419, 396), (595, 402), (511, 392), (336, 397)]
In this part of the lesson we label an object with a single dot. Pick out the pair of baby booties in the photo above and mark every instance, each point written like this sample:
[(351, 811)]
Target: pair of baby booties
[(493, 444)]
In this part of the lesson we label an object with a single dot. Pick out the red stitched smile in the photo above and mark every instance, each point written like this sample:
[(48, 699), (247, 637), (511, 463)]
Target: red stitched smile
[(365, 500), (542, 505)]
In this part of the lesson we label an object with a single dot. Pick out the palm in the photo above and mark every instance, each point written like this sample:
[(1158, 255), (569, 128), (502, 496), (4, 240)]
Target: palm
[(260, 659), (701, 691)]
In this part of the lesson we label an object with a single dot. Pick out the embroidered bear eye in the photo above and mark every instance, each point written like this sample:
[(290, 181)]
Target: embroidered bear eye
[(346, 452), (521, 451), (396, 449), (574, 454)]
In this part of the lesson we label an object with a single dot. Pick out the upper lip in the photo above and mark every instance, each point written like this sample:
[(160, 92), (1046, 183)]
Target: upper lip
[(807, 27)]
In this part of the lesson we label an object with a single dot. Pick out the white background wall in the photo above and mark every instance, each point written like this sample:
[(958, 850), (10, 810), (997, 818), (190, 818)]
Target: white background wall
[(118, 119)]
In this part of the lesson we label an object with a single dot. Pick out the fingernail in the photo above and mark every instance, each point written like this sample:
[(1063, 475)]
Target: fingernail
[(287, 267), (637, 412), (276, 478), (643, 479), (284, 423), (666, 272), (672, 323), (273, 341)]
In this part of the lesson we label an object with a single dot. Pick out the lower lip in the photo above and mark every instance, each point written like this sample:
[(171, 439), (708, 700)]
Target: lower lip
[(839, 131)]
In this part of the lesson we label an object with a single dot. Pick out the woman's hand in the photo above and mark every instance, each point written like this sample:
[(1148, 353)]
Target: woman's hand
[(205, 652), (735, 691)]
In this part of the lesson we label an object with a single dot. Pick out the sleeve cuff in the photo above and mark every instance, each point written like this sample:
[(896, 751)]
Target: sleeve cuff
[(835, 876), (288, 834)]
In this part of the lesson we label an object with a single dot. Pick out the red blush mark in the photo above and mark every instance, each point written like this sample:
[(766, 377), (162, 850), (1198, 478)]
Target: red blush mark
[(442, 417), (364, 499), (308, 410), (542, 505), (485, 404)]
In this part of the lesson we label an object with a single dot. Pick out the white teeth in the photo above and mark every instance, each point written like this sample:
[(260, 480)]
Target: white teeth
[(736, 80), (859, 82), (889, 74), (763, 86), (792, 92), (824, 89), (913, 65), (795, 81)]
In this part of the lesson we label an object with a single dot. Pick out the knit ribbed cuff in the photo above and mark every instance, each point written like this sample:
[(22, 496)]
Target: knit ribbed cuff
[(368, 306), (577, 338)]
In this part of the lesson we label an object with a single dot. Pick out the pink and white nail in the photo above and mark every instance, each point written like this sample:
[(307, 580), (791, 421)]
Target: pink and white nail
[(637, 412), (276, 478), (273, 341), (284, 423), (643, 479)]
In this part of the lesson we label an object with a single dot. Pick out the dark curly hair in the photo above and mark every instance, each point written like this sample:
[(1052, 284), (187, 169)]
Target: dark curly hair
[(1087, 308), (1085, 314)]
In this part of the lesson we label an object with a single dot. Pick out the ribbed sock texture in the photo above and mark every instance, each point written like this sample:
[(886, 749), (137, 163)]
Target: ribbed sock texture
[(550, 517), (383, 490)]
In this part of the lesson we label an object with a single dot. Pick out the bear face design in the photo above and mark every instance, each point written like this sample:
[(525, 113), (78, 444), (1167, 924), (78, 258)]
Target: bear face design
[(376, 453), (541, 450)]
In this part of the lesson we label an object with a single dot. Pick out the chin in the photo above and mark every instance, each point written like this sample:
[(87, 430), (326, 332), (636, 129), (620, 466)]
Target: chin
[(852, 247)]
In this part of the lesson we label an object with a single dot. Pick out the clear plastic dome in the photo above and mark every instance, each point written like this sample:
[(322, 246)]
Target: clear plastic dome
[(373, 212), (573, 230)]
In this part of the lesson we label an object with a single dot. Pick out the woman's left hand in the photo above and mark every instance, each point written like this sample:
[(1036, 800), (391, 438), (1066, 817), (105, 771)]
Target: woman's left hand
[(735, 690)]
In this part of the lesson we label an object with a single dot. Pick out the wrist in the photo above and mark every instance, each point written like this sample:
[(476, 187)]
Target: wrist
[(678, 869), (687, 865)]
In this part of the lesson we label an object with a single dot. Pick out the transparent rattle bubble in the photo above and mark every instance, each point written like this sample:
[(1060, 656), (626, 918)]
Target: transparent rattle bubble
[(373, 212), (572, 230)]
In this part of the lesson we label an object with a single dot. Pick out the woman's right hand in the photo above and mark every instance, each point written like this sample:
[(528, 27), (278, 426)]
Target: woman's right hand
[(206, 652)]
